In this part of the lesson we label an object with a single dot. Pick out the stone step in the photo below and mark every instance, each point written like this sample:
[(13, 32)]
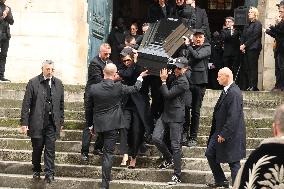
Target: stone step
[(204, 121), (26, 181), (75, 146), (202, 141), (205, 111), (207, 102), (118, 173), (72, 158), (76, 135), (16, 91)]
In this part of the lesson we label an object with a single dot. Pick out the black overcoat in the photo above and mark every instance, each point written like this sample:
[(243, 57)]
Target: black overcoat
[(228, 122), (33, 107)]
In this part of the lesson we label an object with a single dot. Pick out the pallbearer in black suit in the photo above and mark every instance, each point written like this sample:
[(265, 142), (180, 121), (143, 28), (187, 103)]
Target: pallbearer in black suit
[(198, 55), (95, 75), (105, 111), (172, 117), (227, 140)]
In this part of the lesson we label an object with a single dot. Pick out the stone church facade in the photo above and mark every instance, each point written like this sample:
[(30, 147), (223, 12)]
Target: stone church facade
[(59, 30)]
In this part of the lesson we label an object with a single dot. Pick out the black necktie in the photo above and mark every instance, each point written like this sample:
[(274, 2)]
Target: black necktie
[(221, 97), (48, 90)]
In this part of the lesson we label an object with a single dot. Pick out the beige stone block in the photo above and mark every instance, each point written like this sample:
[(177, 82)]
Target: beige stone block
[(46, 24), (42, 6)]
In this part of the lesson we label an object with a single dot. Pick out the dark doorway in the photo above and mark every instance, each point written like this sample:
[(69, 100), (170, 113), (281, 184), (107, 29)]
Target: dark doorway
[(137, 10)]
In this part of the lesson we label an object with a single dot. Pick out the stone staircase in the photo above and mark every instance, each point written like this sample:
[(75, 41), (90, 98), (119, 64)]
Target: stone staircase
[(15, 148)]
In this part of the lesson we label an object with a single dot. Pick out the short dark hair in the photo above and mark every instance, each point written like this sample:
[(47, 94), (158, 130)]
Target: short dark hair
[(145, 24), (281, 4), (128, 38), (279, 117), (230, 17)]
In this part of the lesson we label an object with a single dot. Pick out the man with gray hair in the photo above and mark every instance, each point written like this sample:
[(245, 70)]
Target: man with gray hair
[(265, 166), (42, 118)]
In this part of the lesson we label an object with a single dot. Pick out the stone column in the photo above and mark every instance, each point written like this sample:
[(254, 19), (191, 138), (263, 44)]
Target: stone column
[(269, 11)]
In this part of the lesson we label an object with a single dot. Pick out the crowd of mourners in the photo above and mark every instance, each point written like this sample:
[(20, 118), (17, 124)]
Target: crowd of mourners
[(122, 99)]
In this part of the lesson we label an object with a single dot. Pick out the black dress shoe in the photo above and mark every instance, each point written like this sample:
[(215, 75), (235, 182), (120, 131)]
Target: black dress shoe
[(254, 89), (249, 89), (98, 152), (84, 158), (36, 175), (224, 184), (49, 178), (4, 79)]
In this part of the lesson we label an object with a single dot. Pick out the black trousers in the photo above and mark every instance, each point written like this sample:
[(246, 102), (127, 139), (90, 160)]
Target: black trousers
[(198, 92), (4, 46), (131, 137), (154, 83), (251, 67), (279, 70), (86, 136), (216, 169), (232, 62), (46, 142), (175, 138), (109, 140)]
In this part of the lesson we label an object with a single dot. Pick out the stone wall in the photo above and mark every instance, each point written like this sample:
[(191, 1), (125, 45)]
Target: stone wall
[(54, 29), (269, 14)]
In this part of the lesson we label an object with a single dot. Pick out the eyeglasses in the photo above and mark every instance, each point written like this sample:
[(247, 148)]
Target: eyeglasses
[(126, 60)]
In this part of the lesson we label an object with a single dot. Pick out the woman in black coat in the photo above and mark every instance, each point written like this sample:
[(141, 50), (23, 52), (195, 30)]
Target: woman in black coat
[(135, 110), (251, 47)]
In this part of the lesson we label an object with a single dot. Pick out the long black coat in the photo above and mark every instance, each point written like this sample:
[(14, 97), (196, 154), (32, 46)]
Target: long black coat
[(228, 122), (140, 100), (174, 100), (105, 104), (33, 107)]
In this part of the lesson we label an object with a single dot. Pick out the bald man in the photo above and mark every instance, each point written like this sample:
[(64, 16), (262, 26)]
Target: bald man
[(227, 140), (268, 158), (104, 110)]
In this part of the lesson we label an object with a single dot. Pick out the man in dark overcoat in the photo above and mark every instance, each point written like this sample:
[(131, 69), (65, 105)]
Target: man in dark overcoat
[(227, 140), (95, 75), (42, 117), (105, 111)]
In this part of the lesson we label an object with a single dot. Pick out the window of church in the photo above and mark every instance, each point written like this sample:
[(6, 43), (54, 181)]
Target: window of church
[(220, 4)]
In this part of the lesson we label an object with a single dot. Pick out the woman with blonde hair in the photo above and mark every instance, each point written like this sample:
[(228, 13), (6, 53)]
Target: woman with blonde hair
[(251, 47)]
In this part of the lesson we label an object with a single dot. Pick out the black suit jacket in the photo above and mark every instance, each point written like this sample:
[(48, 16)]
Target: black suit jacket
[(156, 12), (95, 70), (231, 42), (202, 22), (228, 122), (174, 104), (251, 36), (198, 61), (105, 104)]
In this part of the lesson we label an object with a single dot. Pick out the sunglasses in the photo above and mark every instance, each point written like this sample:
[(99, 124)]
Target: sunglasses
[(126, 60)]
